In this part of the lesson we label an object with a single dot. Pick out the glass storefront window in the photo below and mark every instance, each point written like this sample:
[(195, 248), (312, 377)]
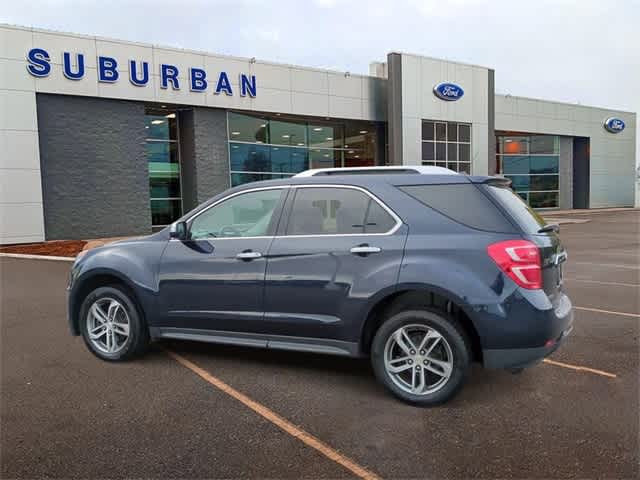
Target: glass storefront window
[(325, 136), (163, 212), (162, 126), (532, 164), (447, 144), (263, 147), (245, 128), (288, 133), (163, 159), (325, 158), (540, 144), (242, 178)]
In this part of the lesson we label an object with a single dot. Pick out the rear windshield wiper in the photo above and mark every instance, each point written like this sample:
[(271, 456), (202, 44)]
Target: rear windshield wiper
[(550, 227)]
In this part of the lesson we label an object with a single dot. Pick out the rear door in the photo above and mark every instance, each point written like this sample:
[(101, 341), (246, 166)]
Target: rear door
[(339, 246)]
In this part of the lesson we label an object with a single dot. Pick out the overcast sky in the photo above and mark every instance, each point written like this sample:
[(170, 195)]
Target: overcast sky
[(585, 51)]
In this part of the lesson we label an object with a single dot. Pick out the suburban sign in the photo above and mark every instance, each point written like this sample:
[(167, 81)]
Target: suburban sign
[(448, 91), (614, 125), (109, 71)]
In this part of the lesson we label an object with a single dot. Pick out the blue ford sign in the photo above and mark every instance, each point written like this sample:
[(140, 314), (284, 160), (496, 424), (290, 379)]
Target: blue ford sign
[(448, 91), (614, 125), (109, 70)]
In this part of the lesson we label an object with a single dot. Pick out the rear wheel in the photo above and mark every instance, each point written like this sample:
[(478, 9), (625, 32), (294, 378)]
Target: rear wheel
[(422, 356), (111, 325)]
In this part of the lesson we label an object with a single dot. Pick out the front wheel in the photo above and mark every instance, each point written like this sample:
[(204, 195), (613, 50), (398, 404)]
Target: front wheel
[(111, 325), (422, 356)]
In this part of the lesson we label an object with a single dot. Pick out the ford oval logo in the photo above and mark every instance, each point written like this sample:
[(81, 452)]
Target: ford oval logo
[(614, 125), (448, 91)]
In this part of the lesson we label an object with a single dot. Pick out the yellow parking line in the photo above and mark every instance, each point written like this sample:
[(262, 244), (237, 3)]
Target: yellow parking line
[(277, 420), (579, 368), (610, 312)]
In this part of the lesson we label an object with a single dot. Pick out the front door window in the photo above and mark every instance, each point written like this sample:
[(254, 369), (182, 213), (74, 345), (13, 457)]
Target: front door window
[(246, 215)]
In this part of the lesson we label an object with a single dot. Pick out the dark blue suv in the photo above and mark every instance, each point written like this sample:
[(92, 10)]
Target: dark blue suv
[(422, 272)]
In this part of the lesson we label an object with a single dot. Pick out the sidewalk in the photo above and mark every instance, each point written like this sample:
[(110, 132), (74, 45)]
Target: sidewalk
[(587, 211)]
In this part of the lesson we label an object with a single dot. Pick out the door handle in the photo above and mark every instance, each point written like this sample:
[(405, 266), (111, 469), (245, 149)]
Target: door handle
[(248, 255), (365, 250)]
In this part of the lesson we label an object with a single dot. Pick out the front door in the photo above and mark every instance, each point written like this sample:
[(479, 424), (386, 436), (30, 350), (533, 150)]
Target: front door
[(215, 279), (339, 248)]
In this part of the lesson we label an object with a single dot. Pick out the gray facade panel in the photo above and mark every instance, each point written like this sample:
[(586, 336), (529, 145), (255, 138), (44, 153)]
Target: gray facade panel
[(492, 165), (211, 152), (394, 108), (566, 173), (95, 180)]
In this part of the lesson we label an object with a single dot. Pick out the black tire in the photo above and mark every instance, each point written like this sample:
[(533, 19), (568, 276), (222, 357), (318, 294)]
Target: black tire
[(449, 329), (138, 339)]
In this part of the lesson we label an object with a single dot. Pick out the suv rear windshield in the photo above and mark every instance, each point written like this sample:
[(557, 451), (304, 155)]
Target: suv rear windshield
[(464, 203), (528, 220)]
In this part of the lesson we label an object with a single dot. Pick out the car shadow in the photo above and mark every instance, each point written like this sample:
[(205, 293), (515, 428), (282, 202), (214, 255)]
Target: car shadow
[(355, 374)]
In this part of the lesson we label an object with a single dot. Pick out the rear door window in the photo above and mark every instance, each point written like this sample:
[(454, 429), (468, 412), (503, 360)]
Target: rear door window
[(526, 218), (337, 211), (463, 203)]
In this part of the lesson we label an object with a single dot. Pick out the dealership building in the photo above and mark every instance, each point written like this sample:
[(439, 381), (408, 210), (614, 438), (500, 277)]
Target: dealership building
[(102, 137)]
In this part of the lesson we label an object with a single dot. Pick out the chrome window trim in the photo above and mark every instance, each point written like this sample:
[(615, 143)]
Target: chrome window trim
[(393, 214)]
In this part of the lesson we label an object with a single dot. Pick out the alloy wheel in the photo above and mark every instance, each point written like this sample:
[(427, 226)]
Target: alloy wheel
[(108, 325), (418, 359)]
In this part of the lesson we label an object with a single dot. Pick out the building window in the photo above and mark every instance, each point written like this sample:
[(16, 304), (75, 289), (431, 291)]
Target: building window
[(265, 147), (447, 144), (163, 158), (532, 163)]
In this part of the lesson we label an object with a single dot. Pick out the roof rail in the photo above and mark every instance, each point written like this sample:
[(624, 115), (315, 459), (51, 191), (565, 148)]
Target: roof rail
[(400, 169)]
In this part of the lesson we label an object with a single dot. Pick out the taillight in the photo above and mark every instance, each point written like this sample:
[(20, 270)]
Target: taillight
[(520, 260)]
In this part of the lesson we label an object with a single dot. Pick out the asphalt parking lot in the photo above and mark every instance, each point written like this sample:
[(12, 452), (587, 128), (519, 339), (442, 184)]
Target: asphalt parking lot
[(238, 412)]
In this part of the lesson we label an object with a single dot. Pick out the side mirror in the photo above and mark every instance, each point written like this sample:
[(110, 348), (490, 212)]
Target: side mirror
[(179, 231)]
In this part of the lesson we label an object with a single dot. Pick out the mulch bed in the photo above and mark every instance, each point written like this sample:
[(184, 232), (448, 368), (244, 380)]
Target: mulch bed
[(57, 248)]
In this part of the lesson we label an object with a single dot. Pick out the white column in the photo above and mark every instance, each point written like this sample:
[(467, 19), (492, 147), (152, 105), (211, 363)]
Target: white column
[(21, 215)]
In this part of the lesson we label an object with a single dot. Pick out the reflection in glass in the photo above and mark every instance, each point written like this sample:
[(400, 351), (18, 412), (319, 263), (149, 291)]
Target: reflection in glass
[(428, 151), (540, 144), (163, 212), (324, 158), (545, 164), (162, 153), (543, 199), (245, 128), (452, 132), (161, 126), (515, 164), (325, 136), (464, 152), (242, 178), (288, 160), (519, 182), (441, 132), (427, 131), (250, 157), (544, 182), (288, 133), (464, 133)]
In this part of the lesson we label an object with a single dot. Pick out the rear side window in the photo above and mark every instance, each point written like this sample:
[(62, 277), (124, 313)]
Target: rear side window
[(528, 220), (336, 211), (463, 203)]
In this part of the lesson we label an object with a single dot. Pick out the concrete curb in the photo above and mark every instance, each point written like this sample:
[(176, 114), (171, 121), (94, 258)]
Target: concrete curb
[(37, 257)]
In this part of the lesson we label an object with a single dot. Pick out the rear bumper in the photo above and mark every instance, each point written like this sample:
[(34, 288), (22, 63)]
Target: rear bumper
[(559, 321), (521, 357)]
